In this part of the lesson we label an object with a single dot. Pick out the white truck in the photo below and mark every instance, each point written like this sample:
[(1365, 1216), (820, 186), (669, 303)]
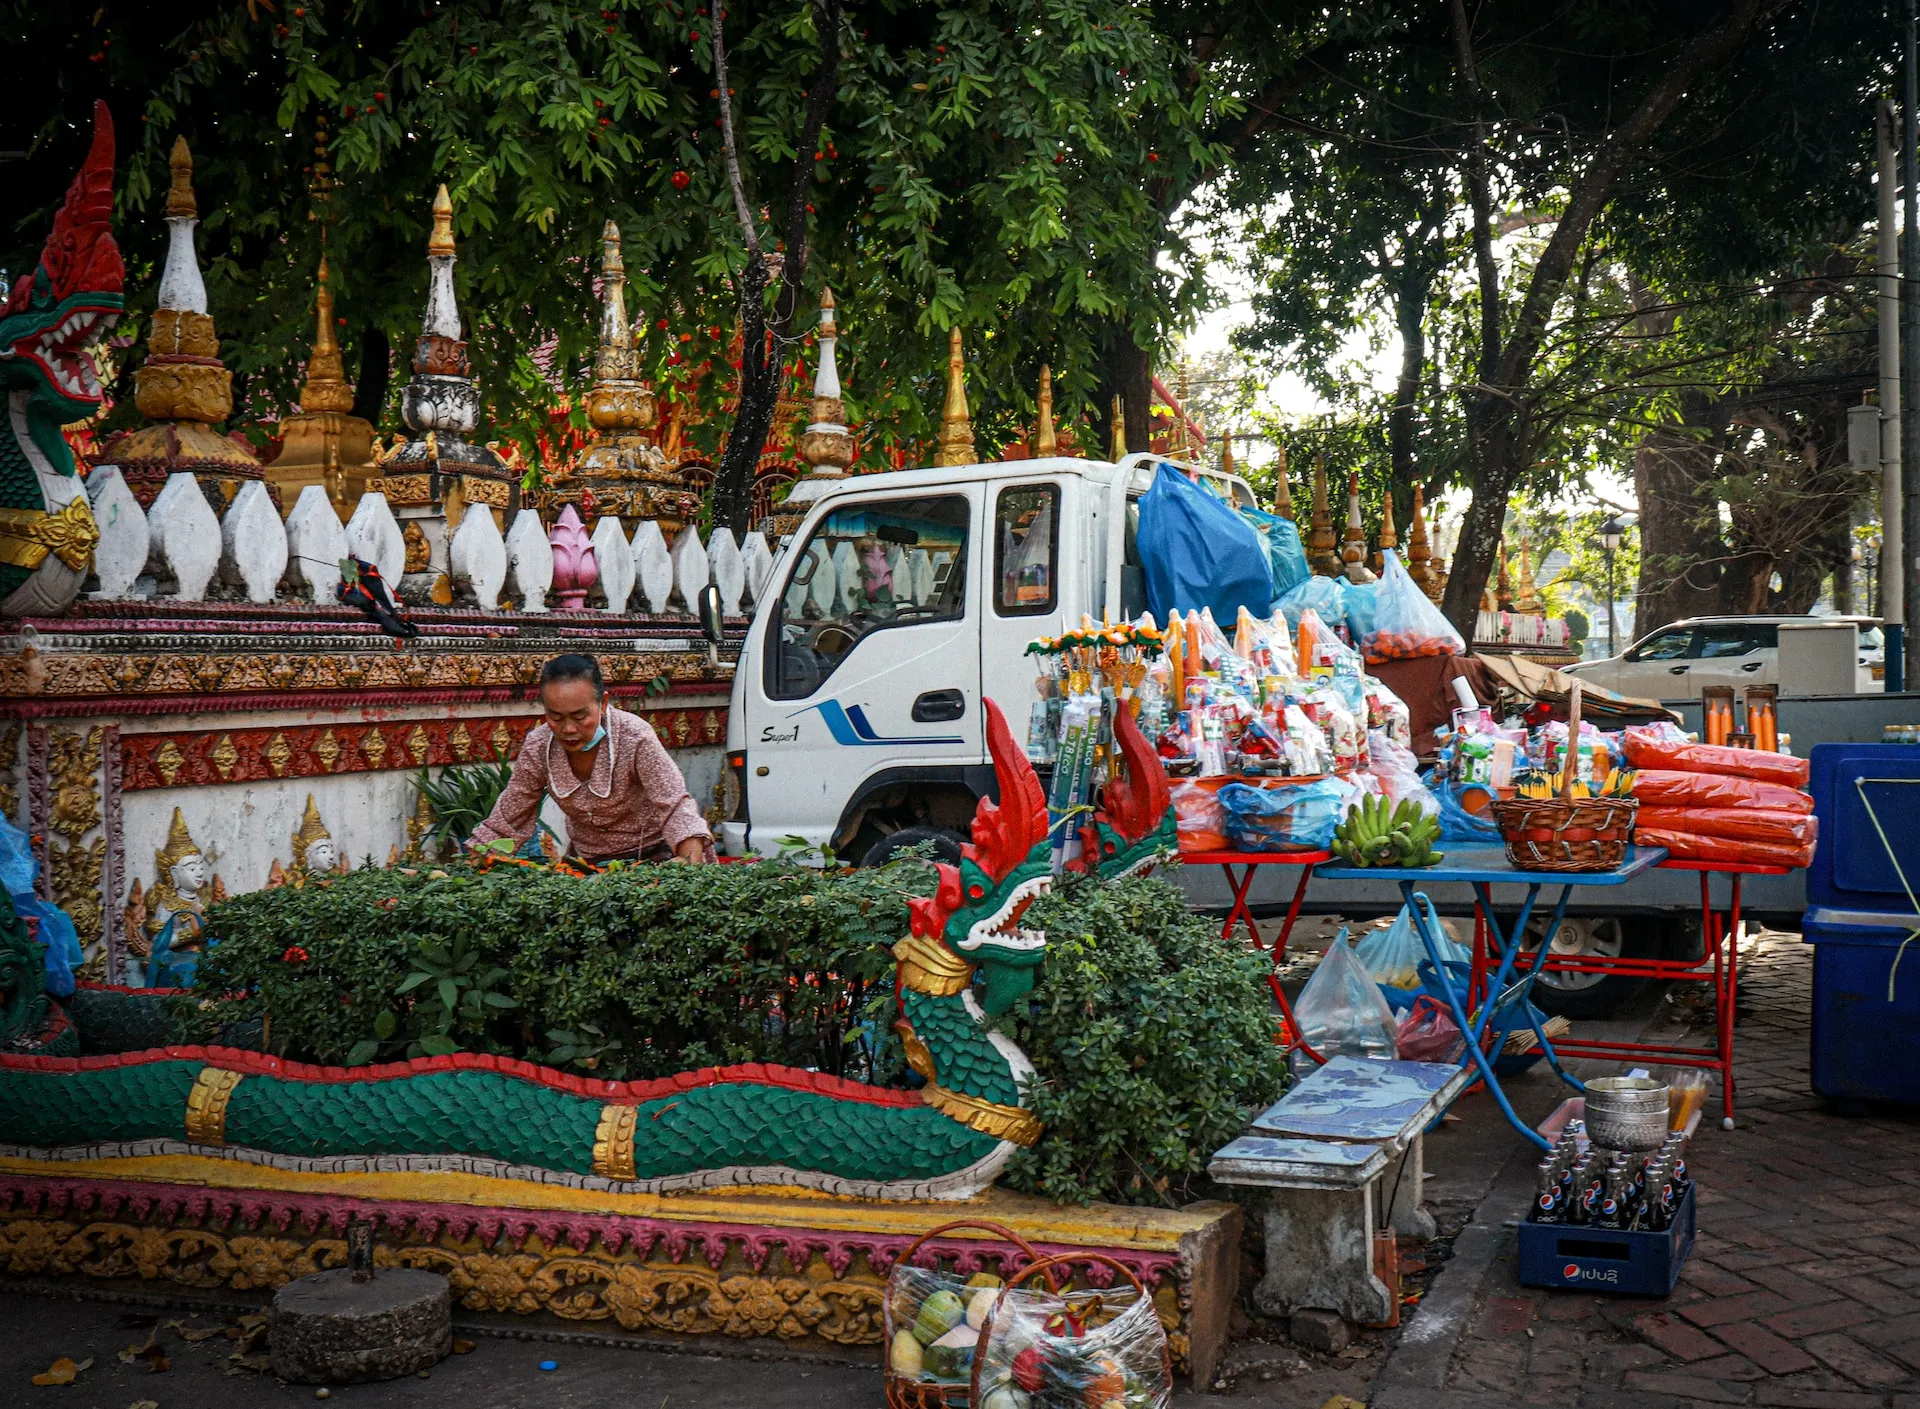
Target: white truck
[(901, 601)]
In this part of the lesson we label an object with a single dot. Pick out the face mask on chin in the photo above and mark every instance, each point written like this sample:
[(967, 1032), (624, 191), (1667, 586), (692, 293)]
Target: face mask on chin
[(591, 744)]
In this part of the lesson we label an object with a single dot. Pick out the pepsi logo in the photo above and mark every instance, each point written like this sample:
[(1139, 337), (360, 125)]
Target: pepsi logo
[(1571, 1271)]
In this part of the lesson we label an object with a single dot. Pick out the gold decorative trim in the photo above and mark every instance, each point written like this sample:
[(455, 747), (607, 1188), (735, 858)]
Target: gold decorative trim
[(1013, 1123), (928, 966), (27, 536), (613, 1142), (207, 1105)]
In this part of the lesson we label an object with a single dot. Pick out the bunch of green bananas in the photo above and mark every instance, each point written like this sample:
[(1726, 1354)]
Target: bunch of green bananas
[(1376, 833)]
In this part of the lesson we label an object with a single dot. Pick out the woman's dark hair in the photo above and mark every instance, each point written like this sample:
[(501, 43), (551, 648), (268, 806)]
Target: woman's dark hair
[(572, 667)]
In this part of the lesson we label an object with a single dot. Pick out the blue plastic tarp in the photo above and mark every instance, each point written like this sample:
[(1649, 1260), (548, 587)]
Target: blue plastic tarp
[(1286, 558), (1196, 552), (18, 870)]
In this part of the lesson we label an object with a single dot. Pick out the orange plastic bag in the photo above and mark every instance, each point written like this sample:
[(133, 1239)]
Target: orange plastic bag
[(1689, 846), (1738, 823), (1645, 749), (1665, 788), (1197, 813)]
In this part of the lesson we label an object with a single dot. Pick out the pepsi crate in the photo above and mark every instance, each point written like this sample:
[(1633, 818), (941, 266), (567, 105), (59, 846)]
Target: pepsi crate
[(1575, 1257)]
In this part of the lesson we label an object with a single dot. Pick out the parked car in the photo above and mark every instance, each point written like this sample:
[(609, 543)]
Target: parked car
[(1680, 660)]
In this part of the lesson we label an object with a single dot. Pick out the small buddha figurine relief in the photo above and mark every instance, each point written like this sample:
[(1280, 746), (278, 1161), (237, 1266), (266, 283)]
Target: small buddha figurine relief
[(176, 904), (315, 853)]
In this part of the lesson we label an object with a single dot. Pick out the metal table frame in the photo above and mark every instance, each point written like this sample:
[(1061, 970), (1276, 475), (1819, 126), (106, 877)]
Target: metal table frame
[(1239, 914), (1482, 868), (1718, 965)]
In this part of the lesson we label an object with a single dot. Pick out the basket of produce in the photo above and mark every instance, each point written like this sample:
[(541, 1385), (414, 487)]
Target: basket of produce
[(1562, 824), (933, 1321), (1042, 1347)]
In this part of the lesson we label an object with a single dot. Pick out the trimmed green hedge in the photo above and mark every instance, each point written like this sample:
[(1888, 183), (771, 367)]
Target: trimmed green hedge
[(1151, 1039)]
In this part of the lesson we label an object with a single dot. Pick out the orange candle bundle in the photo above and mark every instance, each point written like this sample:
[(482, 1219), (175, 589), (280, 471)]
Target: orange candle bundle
[(1176, 662)]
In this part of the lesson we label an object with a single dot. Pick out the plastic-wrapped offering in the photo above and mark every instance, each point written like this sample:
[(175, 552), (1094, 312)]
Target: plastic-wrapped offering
[(1341, 1012), (1660, 787), (1102, 1348), (1649, 748), (1399, 773), (1290, 817), (1738, 823), (1201, 821), (932, 1328), (1688, 846), (1405, 624)]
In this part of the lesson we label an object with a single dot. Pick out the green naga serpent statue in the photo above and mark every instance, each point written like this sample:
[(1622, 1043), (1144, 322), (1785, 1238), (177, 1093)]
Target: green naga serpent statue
[(730, 1126), (50, 318)]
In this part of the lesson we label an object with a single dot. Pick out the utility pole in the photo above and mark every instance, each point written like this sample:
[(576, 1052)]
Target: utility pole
[(1890, 558), (1910, 328)]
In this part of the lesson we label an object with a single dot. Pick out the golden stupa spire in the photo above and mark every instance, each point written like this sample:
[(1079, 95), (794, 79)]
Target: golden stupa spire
[(956, 429), (1322, 546), (1388, 538), (1226, 453), (440, 241), (1282, 492), (325, 388), (1420, 564), (1044, 442), (826, 444), (1354, 550), (180, 199)]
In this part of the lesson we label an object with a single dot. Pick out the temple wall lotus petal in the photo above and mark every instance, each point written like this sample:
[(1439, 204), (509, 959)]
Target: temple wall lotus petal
[(374, 535), (729, 569), (184, 544), (529, 560), (692, 569), (615, 557), (652, 565), (315, 544), (121, 554), (253, 543), (758, 560), (479, 554)]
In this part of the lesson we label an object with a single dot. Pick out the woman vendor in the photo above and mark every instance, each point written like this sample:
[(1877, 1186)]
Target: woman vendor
[(624, 799)]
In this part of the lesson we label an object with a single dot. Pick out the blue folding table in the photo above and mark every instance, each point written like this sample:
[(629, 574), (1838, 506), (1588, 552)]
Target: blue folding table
[(1482, 868)]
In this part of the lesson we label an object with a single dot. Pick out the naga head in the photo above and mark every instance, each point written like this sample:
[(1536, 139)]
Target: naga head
[(975, 911), (72, 297), (1136, 826)]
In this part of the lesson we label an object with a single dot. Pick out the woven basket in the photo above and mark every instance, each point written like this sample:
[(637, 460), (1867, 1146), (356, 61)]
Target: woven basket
[(1605, 825), (904, 1393)]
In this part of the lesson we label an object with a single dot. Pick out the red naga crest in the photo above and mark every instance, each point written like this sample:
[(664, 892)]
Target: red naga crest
[(80, 254), (1138, 797), (1004, 833)]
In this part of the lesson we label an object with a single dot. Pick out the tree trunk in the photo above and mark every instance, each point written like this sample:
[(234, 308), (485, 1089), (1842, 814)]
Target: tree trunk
[(1129, 375), (376, 371), (1680, 547), (1410, 312)]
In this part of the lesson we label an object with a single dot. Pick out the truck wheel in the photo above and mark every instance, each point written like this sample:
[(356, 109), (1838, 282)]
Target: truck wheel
[(1596, 936), (946, 845)]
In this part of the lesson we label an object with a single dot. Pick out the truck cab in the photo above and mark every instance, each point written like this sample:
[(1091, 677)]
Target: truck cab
[(902, 601)]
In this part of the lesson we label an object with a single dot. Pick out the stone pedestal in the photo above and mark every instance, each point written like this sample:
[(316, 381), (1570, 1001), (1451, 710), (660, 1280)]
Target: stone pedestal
[(330, 1329)]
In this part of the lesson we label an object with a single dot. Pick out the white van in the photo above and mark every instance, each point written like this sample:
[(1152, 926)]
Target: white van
[(1680, 660), (899, 603)]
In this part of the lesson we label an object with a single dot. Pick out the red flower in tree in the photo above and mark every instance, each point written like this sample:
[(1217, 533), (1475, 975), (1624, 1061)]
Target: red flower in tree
[(296, 955), (681, 180)]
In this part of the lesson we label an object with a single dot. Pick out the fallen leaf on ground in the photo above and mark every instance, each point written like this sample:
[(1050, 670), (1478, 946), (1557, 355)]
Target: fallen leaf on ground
[(195, 1334), (63, 1371), (134, 1352), (144, 1404), (259, 1364), (461, 1347)]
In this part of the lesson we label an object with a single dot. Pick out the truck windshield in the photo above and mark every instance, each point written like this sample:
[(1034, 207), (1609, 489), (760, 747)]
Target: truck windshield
[(865, 567)]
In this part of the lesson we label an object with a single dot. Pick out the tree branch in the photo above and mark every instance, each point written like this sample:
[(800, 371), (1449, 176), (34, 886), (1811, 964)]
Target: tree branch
[(1479, 192)]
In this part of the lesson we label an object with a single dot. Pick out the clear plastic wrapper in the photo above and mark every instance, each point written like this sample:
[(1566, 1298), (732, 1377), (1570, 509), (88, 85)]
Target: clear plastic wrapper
[(1197, 814), (933, 1321), (1288, 817), (1689, 846), (1341, 1012), (1647, 748), (1404, 623), (1392, 956), (1738, 823), (1102, 1348), (1399, 773), (1660, 787)]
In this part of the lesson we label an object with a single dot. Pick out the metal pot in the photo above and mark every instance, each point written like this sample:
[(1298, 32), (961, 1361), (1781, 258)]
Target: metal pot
[(1627, 1112)]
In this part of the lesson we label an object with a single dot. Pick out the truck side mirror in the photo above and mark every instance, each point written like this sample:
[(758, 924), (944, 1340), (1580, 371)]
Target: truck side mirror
[(709, 609)]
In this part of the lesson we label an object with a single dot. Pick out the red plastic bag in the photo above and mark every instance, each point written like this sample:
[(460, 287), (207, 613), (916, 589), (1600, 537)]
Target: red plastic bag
[(1405, 623), (1663, 788), (1197, 813), (1428, 1033), (1689, 846), (1646, 749), (1739, 823)]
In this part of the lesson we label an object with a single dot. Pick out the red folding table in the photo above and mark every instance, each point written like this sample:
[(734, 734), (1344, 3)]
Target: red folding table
[(1239, 884), (1718, 965)]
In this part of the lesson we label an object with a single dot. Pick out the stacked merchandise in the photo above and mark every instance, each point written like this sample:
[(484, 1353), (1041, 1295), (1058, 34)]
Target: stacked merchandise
[(1581, 1184), (1712, 802)]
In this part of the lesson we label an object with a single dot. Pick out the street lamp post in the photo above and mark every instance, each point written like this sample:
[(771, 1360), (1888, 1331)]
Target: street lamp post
[(1611, 532)]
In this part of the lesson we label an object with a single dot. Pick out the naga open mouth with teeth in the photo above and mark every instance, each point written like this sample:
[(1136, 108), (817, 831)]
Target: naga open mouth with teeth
[(48, 326)]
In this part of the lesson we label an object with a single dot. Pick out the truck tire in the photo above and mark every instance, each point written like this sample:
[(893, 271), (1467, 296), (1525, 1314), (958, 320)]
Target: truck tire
[(946, 845), (1608, 936)]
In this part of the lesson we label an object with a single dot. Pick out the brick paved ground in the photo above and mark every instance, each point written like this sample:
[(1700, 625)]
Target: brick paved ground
[(1804, 1284)]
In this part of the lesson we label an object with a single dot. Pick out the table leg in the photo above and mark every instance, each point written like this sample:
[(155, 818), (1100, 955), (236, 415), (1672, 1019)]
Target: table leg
[(1727, 1001), (1293, 914), (1451, 993), (1239, 914), (1522, 988)]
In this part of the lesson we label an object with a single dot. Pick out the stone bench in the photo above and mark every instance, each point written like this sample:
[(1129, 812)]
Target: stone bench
[(1340, 1154)]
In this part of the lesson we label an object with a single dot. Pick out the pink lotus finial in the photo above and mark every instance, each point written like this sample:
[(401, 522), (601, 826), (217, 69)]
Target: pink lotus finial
[(575, 568)]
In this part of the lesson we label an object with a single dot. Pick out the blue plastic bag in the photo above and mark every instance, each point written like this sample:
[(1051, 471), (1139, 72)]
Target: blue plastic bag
[(1298, 817), (1459, 827), (1323, 594), (1392, 956), (18, 870), (1360, 601), (1286, 558), (1196, 552)]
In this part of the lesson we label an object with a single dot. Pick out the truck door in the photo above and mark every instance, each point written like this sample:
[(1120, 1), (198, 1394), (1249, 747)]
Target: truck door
[(866, 660), (1029, 592), (1737, 653)]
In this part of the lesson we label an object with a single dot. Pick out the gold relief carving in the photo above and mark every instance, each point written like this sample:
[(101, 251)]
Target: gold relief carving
[(680, 729), (403, 489), (374, 746), (278, 754), (327, 750), (419, 552), (500, 738), (168, 762), (613, 1142), (1013, 1123), (491, 492), (461, 742), (418, 826), (223, 755), (207, 1105), (9, 760), (74, 878), (418, 746), (73, 870)]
